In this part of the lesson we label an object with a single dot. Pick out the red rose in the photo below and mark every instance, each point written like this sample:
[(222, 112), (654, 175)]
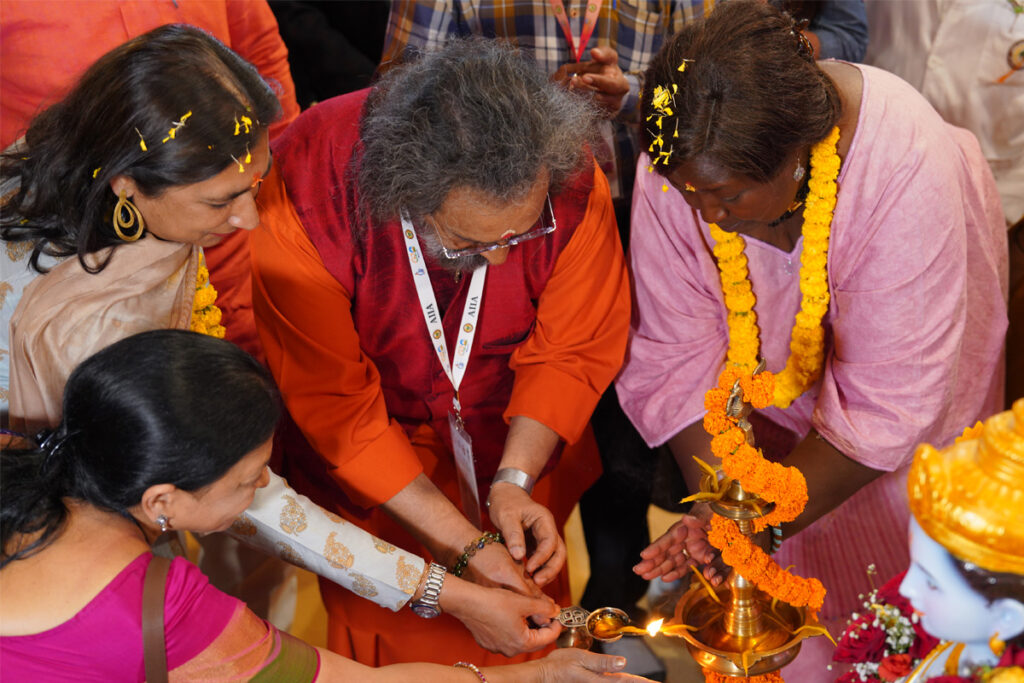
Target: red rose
[(867, 646), (923, 644), (895, 666), (1013, 656)]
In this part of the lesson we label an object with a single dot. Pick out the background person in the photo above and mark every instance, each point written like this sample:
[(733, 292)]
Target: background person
[(967, 59)]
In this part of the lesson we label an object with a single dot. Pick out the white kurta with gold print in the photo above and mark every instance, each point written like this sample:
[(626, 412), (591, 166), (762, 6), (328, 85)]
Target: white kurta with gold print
[(282, 522)]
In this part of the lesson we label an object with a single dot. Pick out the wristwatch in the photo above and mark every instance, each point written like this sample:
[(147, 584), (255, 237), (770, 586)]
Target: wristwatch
[(427, 606)]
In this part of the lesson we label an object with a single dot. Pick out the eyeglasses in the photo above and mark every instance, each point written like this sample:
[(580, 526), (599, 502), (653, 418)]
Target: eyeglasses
[(500, 244)]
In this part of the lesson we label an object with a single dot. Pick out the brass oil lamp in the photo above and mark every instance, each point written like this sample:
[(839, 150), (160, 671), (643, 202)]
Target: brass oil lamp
[(735, 629)]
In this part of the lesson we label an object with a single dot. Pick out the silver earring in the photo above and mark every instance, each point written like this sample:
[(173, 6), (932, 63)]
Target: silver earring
[(798, 174), (163, 522)]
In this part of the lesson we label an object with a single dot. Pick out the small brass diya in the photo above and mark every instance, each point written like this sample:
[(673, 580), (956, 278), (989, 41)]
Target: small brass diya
[(582, 628), (607, 623)]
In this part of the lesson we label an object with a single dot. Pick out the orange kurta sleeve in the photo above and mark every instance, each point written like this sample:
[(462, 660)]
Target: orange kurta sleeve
[(579, 340), (331, 389)]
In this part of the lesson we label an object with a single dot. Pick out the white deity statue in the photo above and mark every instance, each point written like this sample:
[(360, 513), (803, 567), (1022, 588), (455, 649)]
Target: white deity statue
[(966, 579)]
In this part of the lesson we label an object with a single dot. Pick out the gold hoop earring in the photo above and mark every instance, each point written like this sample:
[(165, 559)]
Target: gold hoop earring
[(121, 224), (997, 646)]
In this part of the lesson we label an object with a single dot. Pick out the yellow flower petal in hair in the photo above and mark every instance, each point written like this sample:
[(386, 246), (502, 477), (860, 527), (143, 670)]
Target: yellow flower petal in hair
[(682, 64), (241, 166), (142, 141), (177, 124), (689, 187), (245, 122), (96, 171)]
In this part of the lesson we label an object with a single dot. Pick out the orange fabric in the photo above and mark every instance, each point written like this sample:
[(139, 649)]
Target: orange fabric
[(315, 353), (46, 45), (247, 647), (332, 389), (588, 290)]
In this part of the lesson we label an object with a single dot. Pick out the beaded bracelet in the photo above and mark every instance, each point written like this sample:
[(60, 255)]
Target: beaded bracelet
[(473, 668), (470, 550)]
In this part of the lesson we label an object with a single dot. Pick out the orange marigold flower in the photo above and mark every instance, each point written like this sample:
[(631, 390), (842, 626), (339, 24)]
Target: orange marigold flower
[(716, 422), (715, 399), (728, 378), (727, 442)]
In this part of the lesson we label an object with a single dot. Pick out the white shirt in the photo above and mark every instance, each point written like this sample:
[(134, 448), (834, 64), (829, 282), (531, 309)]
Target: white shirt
[(954, 52)]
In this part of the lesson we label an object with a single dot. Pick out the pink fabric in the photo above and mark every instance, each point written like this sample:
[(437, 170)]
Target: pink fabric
[(103, 642), (914, 332)]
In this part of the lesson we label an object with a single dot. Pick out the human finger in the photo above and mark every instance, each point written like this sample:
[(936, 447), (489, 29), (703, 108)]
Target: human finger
[(545, 535), (506, 513), (494, 567), (612, 84), (604, 54), (549, 570)]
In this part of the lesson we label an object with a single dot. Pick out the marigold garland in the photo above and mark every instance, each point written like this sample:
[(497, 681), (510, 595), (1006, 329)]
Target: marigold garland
[(206, 316), (784, 486), (774, 482), (807, 342)]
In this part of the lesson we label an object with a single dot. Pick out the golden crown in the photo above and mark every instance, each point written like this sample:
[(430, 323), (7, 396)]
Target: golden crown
[(968, 496)]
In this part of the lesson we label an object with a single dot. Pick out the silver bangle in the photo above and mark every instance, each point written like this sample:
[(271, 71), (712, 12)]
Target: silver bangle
[(515, 476)]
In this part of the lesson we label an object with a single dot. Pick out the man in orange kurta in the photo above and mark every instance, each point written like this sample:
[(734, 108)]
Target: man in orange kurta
[(345, 335)]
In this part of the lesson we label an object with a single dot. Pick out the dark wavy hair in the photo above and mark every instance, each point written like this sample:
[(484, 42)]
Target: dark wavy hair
[(135, 92), (751, 94), (475, 114), (993, 586), (166, 406)]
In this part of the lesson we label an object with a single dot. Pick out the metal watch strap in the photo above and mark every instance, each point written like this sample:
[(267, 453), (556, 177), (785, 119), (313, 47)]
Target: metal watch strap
[(427, 606), (512, 475)]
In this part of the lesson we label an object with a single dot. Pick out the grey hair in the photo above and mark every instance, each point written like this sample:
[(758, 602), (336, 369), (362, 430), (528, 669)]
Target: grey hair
[(475, 114)]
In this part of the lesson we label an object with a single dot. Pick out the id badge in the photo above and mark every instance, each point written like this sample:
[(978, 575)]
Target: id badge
[(462, 445)]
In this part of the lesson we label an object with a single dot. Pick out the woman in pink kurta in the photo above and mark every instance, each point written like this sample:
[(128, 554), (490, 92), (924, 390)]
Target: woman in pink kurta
[(913, 332)]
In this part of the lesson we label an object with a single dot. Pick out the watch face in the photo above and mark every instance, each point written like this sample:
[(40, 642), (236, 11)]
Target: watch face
[(425, 611)]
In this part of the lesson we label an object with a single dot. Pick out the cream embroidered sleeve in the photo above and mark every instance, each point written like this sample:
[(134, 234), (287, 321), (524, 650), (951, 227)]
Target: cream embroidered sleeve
[(284, 523)]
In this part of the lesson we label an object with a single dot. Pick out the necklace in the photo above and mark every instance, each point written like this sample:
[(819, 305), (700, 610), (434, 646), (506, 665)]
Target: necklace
[(807, 343), (798, 201)]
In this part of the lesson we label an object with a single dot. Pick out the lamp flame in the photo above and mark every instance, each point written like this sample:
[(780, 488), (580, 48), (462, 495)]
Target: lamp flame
[(654, 627)]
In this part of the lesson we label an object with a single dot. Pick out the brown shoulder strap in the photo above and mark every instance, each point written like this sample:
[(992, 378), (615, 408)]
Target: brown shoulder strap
[(153, 643)]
